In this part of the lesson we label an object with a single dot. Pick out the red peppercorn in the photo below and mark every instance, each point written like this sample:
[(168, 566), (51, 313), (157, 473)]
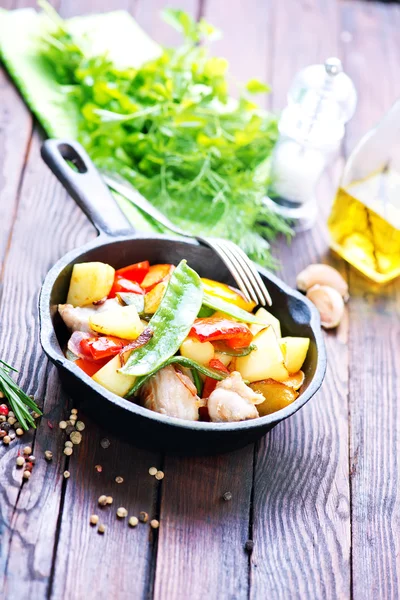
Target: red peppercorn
[(4, 409), (28, 466)]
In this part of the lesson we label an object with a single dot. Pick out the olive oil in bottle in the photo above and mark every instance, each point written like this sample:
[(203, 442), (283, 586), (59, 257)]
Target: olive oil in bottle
[(364, 225)]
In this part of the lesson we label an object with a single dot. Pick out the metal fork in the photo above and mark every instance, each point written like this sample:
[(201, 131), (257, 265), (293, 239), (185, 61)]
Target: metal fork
[(240, 266)]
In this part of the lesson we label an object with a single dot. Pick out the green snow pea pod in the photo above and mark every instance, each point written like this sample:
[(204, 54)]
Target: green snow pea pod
[(171, 322)]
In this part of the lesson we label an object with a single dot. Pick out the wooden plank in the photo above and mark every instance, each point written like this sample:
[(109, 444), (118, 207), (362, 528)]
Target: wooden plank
[(245, 40), (301, 520), (15, 133), (148, 15), (87, 560), (72, 8), (201, 541), (29, 513), (370, 44)]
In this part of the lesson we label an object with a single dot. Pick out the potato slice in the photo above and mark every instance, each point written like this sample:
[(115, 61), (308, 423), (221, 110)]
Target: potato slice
[(277, 396), (266, 362), (201, 352), (295, 380), (153, 298), (294, 352), (268, 319), (89, 283), (110, 378), (226, 359), (121, 321)]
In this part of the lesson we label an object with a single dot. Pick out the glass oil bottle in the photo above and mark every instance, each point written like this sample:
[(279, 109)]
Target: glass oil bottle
[(364, 224)]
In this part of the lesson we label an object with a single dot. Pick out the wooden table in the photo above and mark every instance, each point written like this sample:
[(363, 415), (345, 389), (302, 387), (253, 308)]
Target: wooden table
[(319, 495)]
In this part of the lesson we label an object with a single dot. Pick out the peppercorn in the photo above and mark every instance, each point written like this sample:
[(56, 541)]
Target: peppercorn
[(19, 431), (28, 466), (80, 426), (122, 512), (2, 434), (62, 424), (110, 500), (66, 474), (249, 545), (11, 420), (153, 470), (94, 519), (154, 524), (26, 474), (105, 443), (119, 479), (27, 450), (11, 414), (133, 521), (74, 411), (69, 429), (227, 496), (101, 528), (36, 415), (2, 418), (48, 455), (143, 517), (98, 468), (4, 409), (6, 439), (1, 394), (102, 500), (76, 437), (5, 426), (17, 424), (68, 444), (159, 475), (20, 461), (11, 433), (32, 459), (68, 451)]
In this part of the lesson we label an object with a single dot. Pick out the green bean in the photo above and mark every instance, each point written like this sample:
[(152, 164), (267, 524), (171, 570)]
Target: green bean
[(230, 309)]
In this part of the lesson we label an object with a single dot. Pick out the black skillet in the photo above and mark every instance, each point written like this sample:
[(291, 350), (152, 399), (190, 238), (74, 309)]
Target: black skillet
[(119, 245)]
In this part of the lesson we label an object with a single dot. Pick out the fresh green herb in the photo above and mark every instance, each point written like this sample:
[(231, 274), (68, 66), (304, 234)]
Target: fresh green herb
[(171, 129), (184, 362), (224, 349), (230, 309), (19, 401), (171, 322)]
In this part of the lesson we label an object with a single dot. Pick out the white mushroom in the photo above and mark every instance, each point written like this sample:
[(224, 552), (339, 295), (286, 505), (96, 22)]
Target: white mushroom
[(233, 400), (170, 392)]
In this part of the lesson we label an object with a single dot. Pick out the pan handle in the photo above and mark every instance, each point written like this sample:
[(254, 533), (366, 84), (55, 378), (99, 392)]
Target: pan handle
[(84, 183)]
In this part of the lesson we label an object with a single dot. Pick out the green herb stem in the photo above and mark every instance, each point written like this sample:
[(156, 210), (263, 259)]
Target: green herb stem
[(19, 401)]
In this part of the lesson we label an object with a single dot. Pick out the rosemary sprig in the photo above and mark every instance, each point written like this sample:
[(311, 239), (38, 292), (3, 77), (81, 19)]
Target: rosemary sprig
[(19, 401)]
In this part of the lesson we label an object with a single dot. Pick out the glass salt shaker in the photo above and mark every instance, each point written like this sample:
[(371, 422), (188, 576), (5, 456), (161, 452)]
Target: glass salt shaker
[(321, 100)]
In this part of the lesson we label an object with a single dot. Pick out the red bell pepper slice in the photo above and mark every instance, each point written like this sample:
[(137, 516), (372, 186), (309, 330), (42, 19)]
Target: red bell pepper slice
[(136, 272), (99, 348), (125, 285), (210, 384), (89, 366), (236, 335)]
